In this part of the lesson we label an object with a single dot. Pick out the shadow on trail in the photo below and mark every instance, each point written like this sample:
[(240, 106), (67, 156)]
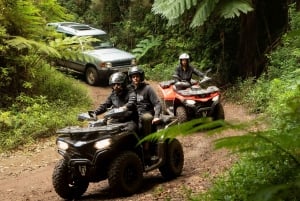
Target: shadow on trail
[(149, 183)]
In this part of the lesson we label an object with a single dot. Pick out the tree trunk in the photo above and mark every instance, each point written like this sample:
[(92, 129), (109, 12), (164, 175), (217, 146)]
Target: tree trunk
[(297, 5), (259, 33)]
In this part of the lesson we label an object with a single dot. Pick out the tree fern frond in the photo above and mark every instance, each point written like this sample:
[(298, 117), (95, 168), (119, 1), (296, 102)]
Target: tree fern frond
[(172, 9), (242, 143), (233, 8), (204, 10), (25, 13), (145, 45), (184, 129), (53, 13), (20, 43)]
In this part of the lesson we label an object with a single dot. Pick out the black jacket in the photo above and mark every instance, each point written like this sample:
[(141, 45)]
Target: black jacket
[(186, 75), (147, 100), (115, 100)]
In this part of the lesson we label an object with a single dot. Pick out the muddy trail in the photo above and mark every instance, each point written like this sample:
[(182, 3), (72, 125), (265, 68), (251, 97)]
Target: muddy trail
[(25, 174)]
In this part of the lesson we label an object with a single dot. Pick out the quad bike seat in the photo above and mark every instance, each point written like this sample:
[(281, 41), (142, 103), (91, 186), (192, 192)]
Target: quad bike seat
[(194, 91), (166, 84)]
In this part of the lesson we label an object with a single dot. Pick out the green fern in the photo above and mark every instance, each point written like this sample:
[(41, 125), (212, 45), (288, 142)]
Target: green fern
[(20, 43), (173, 10), (234, 8), (145, 45), (187, 128), (204, 10)]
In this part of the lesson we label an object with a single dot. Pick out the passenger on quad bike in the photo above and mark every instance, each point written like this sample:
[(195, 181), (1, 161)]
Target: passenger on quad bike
[(184, 72), (120, 97), (148, 104)]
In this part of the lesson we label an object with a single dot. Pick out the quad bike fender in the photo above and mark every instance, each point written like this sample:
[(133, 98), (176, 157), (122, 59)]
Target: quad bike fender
[(216, 101), (178, 102)]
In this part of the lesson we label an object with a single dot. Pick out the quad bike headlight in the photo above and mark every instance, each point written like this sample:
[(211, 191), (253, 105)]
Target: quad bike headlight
[(190, 102), (102, 144), (216, 98), (62, 145)]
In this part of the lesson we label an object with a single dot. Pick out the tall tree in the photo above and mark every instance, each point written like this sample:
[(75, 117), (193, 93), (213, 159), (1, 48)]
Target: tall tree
[(22, 32), (262, 21)]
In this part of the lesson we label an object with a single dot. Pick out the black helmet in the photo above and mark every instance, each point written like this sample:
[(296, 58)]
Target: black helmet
[(118, 78), (136, 70)]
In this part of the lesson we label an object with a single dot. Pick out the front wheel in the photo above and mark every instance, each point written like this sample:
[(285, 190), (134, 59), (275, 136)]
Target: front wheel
[(64, 184), (91, 76), (173, 165), (125, 174), (181, 114)]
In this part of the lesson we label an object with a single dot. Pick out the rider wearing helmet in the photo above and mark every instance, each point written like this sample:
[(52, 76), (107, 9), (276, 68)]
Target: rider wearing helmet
[(148, 104), (185, 71), (120, 97)]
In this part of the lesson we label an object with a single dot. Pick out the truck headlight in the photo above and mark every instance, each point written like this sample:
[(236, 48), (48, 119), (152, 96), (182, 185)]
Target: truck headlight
[(62, 145), (133, 62), (108, 65), (105, 64), (102, 144)]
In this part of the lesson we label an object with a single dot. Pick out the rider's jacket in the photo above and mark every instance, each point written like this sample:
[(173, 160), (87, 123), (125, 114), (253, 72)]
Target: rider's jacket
[(147, 100), (186, 75), (126, 98)]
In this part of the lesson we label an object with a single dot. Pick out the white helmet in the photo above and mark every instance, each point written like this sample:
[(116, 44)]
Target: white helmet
[(184, 56)]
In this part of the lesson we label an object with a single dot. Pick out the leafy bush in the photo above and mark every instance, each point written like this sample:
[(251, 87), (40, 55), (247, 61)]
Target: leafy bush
[(160, 72), (269, 165), (37, 116)]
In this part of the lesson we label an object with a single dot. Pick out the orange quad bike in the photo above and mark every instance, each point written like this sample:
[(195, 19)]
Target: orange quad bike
[(190, 100)]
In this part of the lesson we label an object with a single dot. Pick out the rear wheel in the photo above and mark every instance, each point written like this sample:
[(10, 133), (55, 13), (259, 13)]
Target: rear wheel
[(174, 160), (91, 76), (181, 114), (125, 175), (64, 184), (218, 113)]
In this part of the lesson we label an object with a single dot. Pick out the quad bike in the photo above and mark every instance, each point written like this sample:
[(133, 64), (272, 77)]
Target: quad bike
[(104, 150), (187, 100)]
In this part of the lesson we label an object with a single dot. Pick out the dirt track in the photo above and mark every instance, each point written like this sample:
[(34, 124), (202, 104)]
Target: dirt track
[(25, 175)]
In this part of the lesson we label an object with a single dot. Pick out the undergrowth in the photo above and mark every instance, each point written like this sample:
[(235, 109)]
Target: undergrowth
[(52, 102), (269, 163)]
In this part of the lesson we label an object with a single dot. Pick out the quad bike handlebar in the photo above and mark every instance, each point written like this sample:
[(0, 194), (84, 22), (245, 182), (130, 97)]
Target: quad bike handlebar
[(185, 84), (111, 113)]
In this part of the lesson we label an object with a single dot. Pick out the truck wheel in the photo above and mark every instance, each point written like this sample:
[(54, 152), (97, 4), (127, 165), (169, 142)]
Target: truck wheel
[(91, 76), (181, 114), (66, 186), (125, 175), (218, 113), (173, 165)]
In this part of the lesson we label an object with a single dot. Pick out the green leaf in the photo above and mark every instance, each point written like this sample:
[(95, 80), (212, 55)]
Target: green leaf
[(204, 10), (233, 8)]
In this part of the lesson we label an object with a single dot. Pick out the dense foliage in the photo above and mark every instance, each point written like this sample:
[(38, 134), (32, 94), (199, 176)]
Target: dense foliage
[(269, 165), (35, 99)]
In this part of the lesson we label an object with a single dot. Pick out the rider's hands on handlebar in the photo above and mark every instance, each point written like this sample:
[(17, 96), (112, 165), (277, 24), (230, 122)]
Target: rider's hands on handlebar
[(155, 120), (124, 108), (92, 113)]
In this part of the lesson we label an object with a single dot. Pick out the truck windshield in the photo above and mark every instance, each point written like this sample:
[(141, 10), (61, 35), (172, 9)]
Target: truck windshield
[(103, 42)]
